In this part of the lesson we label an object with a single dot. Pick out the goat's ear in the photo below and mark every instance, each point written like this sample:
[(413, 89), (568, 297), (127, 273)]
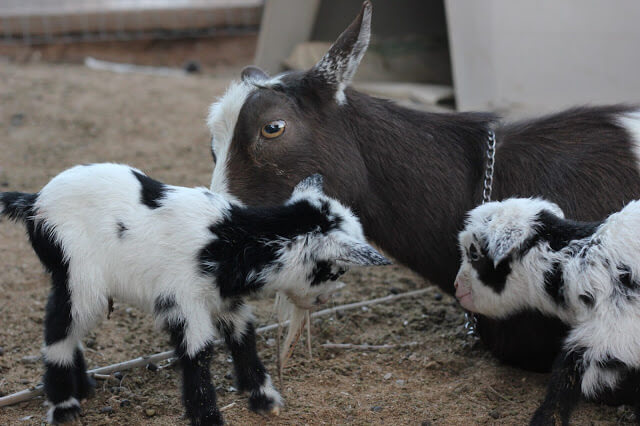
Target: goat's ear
[(338, 66), (313, 182), (361, 254), (253, 73), (503, 243)]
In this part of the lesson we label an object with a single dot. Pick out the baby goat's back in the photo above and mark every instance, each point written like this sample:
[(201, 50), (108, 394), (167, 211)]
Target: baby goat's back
[(127, 233)]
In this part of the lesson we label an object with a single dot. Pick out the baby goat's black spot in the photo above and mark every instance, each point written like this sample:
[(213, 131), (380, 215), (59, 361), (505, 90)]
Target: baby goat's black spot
[(321, 273), (624, 277), (612, 363), (625, 285), (492, 276), (558, 232), (17, 205), (152, 190), (248, 240), (122, 228), (554, 284), (163, 304)]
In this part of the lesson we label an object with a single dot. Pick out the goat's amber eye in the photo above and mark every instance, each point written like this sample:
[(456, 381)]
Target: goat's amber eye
[(273, 129)]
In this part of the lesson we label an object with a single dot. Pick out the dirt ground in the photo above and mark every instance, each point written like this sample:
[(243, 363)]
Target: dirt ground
[(56, 116)]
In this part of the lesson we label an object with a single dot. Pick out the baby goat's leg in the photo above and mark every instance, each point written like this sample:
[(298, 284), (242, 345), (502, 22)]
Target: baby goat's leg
[(84, 383), (563, 391), (635, 374), (198, 393), (251, 376), (60, 383)]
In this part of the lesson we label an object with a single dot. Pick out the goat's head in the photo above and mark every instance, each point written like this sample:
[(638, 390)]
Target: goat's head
[(270, 132), (307, 267), (503, 256)]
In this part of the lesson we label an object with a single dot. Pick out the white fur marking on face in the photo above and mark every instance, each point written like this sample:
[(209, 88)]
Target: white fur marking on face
[(222, 120), (631, 122)]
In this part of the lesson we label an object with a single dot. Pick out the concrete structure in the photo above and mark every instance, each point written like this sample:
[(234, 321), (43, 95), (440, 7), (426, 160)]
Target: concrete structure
[(50, 20), (523, 55), (507, 55)]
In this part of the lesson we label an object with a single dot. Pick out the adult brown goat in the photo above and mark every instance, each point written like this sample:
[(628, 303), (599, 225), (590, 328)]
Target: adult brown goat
[(411, 176)]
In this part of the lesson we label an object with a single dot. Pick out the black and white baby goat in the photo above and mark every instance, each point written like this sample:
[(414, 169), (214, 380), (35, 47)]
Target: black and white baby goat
[(187, 255), (523, 253)]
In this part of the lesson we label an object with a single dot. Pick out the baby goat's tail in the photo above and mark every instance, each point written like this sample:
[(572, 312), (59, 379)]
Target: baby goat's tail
[(17, 206)]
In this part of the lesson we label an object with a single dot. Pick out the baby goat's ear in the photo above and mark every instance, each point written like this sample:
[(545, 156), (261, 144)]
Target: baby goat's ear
[(503, 242), (360, 254)]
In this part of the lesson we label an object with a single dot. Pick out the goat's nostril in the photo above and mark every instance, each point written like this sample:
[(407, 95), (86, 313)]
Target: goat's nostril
[(455, 284)]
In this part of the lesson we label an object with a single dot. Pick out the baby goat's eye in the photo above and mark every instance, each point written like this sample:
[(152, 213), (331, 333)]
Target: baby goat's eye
[(273, 129), (474, 255)]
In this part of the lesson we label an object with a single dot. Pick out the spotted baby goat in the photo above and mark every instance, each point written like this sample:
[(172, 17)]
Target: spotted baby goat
[(523, 253), (187, 255)]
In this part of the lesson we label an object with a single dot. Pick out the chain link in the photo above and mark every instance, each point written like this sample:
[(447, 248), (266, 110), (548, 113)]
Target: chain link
[(488, 171), (471, 320)]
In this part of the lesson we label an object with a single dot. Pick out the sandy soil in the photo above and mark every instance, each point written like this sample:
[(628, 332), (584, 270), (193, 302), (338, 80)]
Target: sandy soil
[(52, 117)]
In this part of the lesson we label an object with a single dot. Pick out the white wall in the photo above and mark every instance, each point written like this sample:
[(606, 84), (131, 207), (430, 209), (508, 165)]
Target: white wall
[(545, 54)]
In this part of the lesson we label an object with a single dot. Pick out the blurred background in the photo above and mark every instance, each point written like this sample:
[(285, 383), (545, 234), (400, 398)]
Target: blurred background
[(509, 56)]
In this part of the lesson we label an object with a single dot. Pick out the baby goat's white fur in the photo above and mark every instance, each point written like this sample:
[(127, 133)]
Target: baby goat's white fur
[(591, 267), (81, 215), (122, 235)]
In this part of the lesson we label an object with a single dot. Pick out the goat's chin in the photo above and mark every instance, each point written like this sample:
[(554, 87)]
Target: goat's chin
[(309, 302), (466, 301)]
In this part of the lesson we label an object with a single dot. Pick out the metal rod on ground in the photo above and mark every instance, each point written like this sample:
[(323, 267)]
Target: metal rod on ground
[(28, 394), (366, 347)]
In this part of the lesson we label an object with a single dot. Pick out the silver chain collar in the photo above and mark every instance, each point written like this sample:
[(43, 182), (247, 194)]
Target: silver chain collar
[(488, 171), (471, 320)]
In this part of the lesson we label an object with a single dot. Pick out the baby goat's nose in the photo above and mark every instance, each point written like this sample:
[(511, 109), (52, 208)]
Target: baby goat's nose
[(455, 284)]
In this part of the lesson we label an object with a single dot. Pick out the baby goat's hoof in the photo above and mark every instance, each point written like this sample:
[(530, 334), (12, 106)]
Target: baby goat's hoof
[(265, 400), (545, 418), (64, 412), (212, 418)]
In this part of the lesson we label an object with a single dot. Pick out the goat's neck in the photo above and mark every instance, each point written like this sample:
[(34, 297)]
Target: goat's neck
[(423, 172)]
